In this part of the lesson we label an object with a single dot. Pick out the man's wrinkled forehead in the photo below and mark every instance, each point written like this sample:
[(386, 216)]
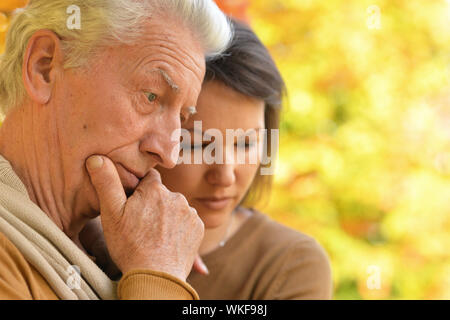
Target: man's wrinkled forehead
[(174, 51), (176, 40)]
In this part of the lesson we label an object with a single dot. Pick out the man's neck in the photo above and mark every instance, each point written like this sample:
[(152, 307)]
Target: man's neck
[(29, 150)]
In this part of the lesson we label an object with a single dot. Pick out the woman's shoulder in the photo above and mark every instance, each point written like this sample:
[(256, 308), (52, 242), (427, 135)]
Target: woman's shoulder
[(296, 262), (272, 233)]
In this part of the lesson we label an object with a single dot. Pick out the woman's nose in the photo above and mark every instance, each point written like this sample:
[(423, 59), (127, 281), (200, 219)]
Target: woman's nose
[(222, 175)]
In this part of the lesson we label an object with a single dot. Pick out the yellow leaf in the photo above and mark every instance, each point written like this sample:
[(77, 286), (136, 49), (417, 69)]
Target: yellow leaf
[(10, 5)]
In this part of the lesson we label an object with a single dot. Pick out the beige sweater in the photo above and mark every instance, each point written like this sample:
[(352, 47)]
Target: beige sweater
[(19, 280), (35, 255), (265, 260)]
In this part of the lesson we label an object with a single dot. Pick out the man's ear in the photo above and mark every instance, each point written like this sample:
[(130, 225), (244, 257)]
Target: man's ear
[(42, 62)]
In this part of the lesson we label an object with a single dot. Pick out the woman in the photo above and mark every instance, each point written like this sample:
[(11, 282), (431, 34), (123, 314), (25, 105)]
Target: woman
[(248, 255)]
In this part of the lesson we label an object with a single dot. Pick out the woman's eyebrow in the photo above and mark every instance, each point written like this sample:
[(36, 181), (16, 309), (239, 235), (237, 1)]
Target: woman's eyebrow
[(167, 78), (195, 130)]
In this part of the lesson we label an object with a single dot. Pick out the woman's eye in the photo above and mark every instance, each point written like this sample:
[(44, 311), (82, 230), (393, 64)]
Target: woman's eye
[(199, 146), (151, 96), (193, 146), (245, 146)]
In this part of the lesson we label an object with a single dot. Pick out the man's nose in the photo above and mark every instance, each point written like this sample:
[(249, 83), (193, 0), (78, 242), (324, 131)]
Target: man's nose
[(221, 175), (163, 142)]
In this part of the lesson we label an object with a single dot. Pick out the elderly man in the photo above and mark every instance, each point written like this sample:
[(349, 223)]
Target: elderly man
[(90, 111)]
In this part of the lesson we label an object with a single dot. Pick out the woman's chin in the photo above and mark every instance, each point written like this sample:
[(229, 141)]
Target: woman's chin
[(212, 221)]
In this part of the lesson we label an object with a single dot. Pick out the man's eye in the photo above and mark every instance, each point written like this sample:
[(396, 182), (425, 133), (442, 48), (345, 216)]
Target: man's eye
[(151, 96)]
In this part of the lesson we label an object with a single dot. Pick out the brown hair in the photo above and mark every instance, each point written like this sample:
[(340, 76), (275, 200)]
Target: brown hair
[(247, 67)]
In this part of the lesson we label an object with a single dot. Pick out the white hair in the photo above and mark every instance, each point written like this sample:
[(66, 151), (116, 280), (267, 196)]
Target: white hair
[(104, 23)]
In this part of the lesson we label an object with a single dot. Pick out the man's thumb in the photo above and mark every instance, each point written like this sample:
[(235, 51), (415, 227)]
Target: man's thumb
[(106, 181)]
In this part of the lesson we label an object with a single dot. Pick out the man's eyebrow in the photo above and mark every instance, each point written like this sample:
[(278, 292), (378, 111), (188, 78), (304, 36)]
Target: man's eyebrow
[(167, 78)]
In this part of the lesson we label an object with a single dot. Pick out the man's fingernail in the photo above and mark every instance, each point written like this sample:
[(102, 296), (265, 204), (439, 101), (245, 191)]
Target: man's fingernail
[(94, 162)]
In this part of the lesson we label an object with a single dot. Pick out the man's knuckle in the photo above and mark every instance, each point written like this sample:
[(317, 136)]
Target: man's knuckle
[(200, 223), (139, 192), (179, 198)]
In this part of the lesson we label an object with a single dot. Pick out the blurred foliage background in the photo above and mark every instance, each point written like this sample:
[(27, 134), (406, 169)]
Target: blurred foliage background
[(364, 164)]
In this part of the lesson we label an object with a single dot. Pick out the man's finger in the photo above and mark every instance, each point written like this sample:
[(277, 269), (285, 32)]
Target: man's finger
[(107, 184), (153, 174), (151, 180)]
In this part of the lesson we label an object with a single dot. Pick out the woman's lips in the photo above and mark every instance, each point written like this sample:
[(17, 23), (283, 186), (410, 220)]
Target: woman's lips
[(215, 203), (128, 179)]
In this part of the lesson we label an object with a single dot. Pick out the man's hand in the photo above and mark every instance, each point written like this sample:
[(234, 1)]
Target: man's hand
[(154, 229), (93, 240)]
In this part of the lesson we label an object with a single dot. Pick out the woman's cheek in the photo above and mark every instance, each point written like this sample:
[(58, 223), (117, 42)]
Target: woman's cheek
[(183, 178), (248, 172)]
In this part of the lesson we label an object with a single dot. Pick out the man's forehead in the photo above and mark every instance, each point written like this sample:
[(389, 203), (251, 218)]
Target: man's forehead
[(175, 45), (175, 55)]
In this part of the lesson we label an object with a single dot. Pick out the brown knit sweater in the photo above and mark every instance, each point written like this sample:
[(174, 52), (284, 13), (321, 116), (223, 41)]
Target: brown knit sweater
[(265, 260)]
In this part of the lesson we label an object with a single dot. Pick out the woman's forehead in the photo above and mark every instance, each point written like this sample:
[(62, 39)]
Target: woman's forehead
[(223, 106)]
